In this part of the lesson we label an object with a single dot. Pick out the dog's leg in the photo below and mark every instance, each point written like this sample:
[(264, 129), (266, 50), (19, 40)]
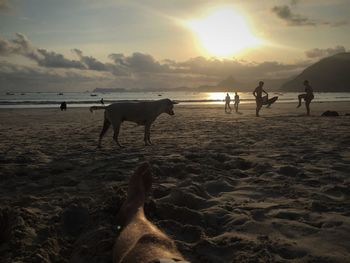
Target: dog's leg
[(147, 134), (106, 125), (116, 127)]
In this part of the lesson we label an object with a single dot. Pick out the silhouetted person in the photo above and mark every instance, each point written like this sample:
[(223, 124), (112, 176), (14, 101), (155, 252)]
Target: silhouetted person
[(102, 102), (139, 239), (308, 96), (227, 102), (236, 101), (63, 106), (258, 97)]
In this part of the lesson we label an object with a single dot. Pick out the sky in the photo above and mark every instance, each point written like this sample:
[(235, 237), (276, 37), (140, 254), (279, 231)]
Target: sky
[(77, 45)]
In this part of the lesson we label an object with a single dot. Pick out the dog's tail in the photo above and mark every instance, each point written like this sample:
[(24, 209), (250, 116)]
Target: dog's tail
[(97, 108)]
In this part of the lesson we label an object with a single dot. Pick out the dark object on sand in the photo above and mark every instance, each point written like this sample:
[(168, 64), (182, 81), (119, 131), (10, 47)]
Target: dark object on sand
[(63, 106), (6, 221), (269, 102), (74, 219), (330, 113)]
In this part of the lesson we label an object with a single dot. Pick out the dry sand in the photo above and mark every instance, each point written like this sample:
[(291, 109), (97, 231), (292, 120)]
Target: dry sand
[(227, 187)]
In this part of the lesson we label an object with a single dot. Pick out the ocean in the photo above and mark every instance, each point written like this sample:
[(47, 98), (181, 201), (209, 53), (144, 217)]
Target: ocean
[(87, 99)]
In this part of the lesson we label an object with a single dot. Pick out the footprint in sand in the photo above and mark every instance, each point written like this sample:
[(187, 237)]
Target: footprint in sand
[(185, 199), (94, 246), (290, 170), (294, 229), (185, 233), (287, 251), (217, 187), (182, 215), (337, 192), (74, 219)]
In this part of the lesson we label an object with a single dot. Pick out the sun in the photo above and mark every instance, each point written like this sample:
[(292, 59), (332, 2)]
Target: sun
[(223, 33)]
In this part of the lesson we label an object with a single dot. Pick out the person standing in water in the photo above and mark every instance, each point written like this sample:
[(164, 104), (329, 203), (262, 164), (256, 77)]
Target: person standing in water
[(227, 103), (308, 96), (258, 97), (102, 102), (63, 106), (236, 101)]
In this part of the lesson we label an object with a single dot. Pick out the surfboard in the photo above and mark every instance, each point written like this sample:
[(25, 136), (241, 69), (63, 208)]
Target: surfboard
[(269, 102)]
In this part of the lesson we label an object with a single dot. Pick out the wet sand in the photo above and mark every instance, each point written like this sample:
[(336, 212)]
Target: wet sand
[(227, 187)]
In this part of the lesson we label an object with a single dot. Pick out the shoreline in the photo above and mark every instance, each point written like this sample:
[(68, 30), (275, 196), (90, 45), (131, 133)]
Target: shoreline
[(200, 98), (340, 106), (190, 104)]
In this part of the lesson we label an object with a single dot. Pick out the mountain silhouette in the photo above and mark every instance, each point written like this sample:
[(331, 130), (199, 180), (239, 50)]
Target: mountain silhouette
[(331, 74)]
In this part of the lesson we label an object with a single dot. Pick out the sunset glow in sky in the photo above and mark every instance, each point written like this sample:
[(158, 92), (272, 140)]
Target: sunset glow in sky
[(156, 43), (223, 32)]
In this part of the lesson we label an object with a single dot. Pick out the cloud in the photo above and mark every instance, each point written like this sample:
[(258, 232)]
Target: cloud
[(294, 2), (292, 19), (5, 47), (4, 5), (15, 77), (90, 62), (139, 62), (338, 23), (20, 45), (135, 71), (243, 69), (319, 53), (51, 59), (122, 65)]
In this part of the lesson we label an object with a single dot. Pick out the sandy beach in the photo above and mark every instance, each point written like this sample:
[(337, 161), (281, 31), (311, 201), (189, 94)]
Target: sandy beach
[(227, 187)]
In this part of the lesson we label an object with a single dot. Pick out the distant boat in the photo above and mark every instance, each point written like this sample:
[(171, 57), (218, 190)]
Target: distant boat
[(159, 95), (60, 93), (10, 93), (93, 95), (23, 94)]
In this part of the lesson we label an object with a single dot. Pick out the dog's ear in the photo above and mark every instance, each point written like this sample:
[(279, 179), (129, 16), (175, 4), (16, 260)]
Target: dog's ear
[(174, 102)]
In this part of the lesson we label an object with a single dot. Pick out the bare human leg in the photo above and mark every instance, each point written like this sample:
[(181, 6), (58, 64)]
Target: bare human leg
[(300, 97), (147, 136), (140, 240), (307, 105), (258, 107)]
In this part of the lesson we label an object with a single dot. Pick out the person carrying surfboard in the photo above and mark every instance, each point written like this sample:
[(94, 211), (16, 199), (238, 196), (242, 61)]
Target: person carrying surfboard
[(258, 97)]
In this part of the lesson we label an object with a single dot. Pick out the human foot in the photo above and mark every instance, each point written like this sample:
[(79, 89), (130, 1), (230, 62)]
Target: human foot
[(140, 184)]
